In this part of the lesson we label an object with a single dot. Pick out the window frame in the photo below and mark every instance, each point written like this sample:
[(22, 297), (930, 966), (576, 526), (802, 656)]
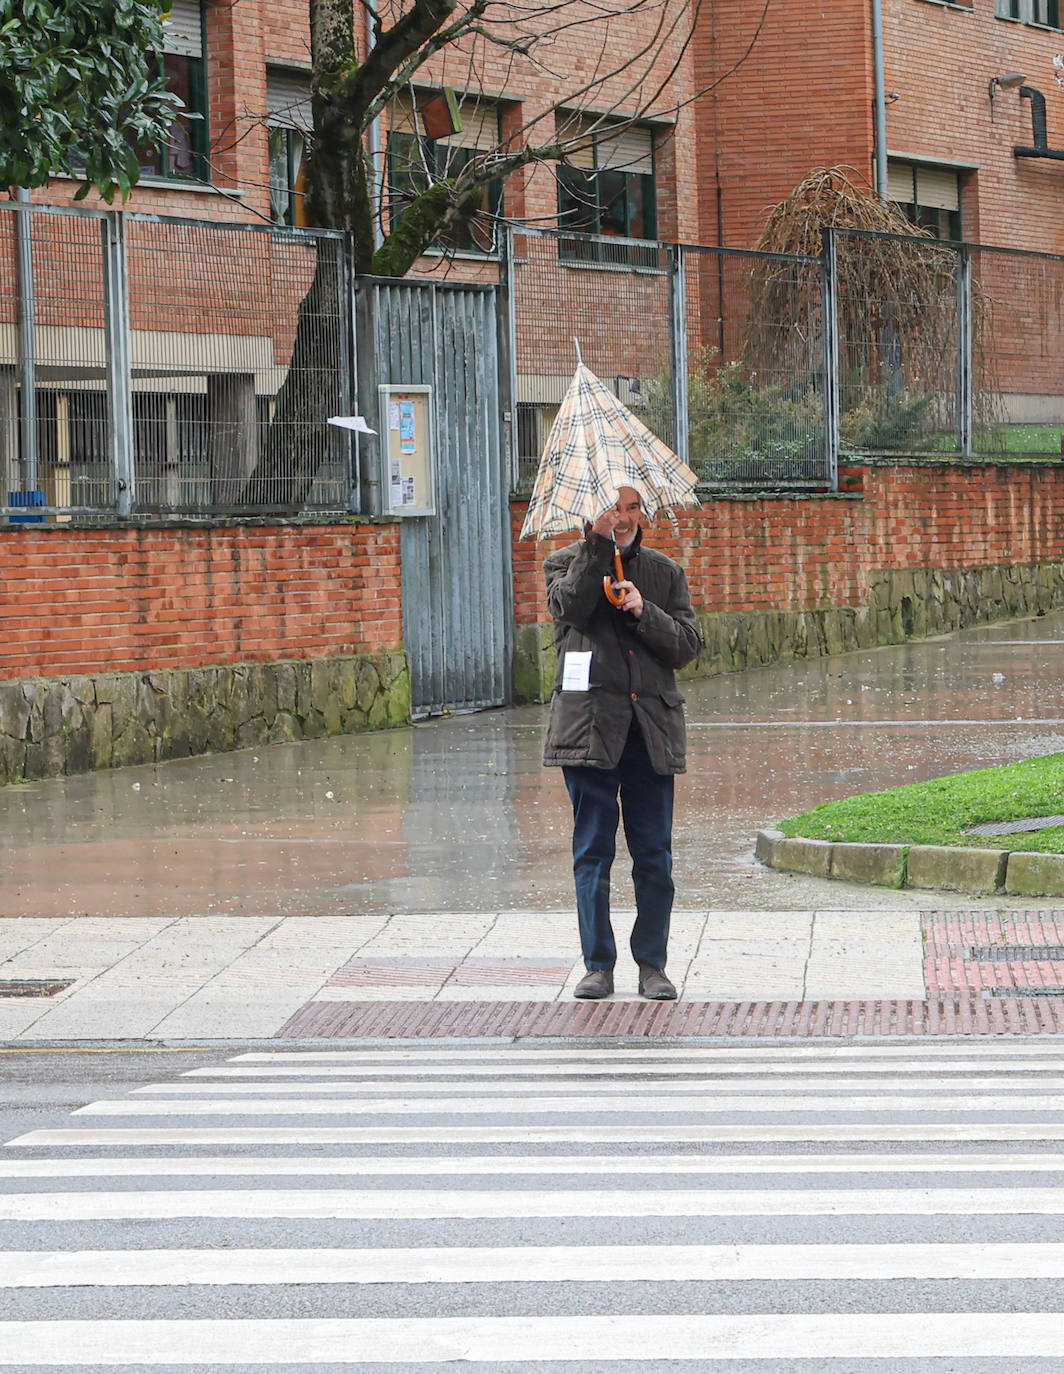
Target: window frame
[(292, 125), (577, 245), (1026, 12), (193, 118), (428, 159), (912, 209)]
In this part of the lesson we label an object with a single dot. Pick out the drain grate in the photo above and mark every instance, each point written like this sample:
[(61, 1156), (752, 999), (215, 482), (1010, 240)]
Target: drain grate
[(1021, 992), (33, 987), (1024, 954), (1027, 827)]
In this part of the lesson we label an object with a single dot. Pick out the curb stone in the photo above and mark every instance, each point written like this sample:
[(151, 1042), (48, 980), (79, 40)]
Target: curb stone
[(942, 867)]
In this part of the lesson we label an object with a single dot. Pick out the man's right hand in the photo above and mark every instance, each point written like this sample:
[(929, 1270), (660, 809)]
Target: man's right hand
[(607, 522)]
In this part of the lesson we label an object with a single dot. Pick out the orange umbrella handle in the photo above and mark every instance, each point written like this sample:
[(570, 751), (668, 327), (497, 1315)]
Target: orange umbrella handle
[(614, 597)]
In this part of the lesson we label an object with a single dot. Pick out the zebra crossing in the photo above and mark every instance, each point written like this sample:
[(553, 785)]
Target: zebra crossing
[(550, 1206)]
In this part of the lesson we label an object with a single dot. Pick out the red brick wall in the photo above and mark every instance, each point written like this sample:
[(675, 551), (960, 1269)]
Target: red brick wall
[(110, 600), (798, 554), (940, 60), (801, 99)]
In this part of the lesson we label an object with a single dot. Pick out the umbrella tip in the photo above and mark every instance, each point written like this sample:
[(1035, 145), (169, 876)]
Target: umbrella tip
[(579, 356)]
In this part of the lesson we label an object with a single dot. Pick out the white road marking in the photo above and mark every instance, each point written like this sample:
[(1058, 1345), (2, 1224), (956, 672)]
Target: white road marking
[(1009, 1132), (530, 1264), (732, 1086), (782, 1054), (581, 1102), (621, 1070), (422, 1205), (588, 1339), (310, 1166)]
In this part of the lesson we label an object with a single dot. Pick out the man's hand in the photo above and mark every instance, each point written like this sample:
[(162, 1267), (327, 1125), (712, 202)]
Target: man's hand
[(633, 598), (607, 522)]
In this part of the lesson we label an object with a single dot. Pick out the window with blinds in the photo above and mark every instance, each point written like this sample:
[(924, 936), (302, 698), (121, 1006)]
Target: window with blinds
[(929, 197), (290, 122), (606, 187), (1045, 12), (416, 162), (183, 156)]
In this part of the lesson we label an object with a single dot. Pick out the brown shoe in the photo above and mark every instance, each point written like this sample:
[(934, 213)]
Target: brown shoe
[(654, 984), (596, 983)]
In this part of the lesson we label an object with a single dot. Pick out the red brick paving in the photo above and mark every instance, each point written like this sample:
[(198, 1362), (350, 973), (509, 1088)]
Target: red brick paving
[(956, 1015), (965, 996)]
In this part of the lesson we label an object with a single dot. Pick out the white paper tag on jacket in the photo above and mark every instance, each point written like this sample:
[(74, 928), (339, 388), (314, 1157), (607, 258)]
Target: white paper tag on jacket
[(576, 670)]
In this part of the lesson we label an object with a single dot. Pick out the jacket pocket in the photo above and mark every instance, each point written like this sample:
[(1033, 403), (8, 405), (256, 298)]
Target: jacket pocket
[(674, 728), (571, 718)]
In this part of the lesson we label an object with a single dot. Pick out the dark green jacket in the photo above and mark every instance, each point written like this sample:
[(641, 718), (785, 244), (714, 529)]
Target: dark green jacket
[(633, 662)]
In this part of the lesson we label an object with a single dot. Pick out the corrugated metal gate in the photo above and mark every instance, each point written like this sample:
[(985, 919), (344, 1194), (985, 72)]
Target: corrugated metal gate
[(457, 585)]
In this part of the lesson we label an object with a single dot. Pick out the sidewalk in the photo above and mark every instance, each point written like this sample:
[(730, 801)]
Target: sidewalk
[(418, 881), (773, 972)]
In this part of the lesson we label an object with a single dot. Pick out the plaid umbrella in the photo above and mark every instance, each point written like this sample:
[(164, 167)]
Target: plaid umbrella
[(595, 447)]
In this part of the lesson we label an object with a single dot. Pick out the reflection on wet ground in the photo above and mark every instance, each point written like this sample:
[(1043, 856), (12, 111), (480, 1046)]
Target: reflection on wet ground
[(458, 814)]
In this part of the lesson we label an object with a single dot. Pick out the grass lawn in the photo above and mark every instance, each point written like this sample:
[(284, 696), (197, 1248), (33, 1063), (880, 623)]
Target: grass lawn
[(938, 812)]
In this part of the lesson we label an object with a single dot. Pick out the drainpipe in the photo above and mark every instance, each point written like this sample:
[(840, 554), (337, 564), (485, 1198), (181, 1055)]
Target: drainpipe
[(375, 168), (880, 100), (27, 343)]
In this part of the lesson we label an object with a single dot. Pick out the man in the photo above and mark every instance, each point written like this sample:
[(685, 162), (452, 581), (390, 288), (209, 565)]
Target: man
[(617, 728)]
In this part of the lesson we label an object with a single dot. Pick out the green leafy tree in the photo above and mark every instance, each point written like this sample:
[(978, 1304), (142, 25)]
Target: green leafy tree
[(80, 90)]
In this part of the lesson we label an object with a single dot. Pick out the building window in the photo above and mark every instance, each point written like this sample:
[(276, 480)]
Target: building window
[(289, 123), (607, 188), (183, 156), (930, 197), (1045, 12), (416, 162)]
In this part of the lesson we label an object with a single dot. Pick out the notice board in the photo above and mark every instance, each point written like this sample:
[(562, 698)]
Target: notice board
[(408, 481)]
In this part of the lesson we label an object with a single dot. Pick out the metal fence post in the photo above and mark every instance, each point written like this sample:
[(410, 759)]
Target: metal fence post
[(118, 362), (368, 375), (27, 344), (345, 247), (964, 351), (829, 311), (506, 330), (678, 342)]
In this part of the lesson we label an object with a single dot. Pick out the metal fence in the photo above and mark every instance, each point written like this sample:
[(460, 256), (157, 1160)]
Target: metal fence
[(720, 352), (154, 365), (160, 366)]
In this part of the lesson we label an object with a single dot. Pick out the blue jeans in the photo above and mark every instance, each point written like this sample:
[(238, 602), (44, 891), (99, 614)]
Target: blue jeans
[(646, 807)]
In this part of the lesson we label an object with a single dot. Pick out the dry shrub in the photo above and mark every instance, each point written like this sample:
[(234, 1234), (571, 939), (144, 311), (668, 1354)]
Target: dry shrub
[(897, 313)]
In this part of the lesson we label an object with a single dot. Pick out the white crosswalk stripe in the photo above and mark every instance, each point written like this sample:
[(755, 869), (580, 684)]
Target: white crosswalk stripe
[(832, 1207)]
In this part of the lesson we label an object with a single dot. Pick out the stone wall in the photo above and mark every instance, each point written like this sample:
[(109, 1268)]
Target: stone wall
[(51, 726)]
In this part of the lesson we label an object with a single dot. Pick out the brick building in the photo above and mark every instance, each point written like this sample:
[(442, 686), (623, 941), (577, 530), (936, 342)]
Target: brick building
[(971, 98), (964, 86), (757, 100)]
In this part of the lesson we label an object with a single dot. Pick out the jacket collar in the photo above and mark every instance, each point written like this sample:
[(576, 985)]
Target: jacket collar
[(633, 548)]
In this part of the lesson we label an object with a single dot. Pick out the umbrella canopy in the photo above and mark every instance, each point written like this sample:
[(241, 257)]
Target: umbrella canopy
[(595, 447)]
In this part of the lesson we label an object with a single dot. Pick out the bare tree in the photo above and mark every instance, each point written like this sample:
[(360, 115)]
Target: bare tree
[(631, 64)]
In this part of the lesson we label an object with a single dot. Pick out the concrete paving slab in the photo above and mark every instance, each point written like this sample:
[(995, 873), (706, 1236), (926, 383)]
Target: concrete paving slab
[(19, 934)]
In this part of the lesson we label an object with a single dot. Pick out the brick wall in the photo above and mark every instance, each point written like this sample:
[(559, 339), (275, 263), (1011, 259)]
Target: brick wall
[(801, 98), (116, 600), (808, 554)]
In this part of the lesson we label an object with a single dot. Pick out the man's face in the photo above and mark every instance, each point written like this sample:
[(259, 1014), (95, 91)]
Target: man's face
[(628, 509)]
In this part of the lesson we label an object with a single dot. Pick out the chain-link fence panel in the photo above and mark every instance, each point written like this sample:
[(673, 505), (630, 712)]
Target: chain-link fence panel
[(54, 393), (240, 346), (1017, 346), (755, 369), (613, 297), (899, 304)]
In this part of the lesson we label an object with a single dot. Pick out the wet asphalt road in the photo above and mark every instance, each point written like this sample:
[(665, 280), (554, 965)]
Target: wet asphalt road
[(458, 814)]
